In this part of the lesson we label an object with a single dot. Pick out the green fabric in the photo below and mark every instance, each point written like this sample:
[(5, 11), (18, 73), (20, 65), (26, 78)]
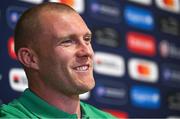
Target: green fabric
[(31, 106)]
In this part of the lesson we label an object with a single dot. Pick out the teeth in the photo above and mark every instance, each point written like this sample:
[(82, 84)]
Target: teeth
[(82, 68)]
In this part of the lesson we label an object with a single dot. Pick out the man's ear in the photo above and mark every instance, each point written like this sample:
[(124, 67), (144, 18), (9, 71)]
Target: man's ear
[(28, 58)]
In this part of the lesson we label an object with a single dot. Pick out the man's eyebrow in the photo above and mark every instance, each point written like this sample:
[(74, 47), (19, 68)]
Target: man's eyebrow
[(74, 35), (88, 34), (65, 37), (58, 39), (61, 38)]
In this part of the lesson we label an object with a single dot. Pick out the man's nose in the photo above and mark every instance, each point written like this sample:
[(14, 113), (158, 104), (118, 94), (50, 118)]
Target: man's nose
[(85, 50)]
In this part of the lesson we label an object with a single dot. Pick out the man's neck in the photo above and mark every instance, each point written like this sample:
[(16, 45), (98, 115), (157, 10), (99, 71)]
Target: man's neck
[(69, 104)]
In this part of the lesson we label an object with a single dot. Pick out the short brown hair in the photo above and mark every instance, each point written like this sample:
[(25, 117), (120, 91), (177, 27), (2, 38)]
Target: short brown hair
[(28, 26)]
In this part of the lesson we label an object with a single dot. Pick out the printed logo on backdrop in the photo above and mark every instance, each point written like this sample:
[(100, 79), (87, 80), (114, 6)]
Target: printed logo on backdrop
[(140, 43), (145, 97), (169, 49), (107, 36), (143, 70), (139, 18), (169, 25), (171, 75), (169, 5), (109, 92), (143, 2), (32, 1), (17, 79), (105, 10), (12, 15), (78, 5), (84, 96), (109, 64), (11, 50), (173, 100)]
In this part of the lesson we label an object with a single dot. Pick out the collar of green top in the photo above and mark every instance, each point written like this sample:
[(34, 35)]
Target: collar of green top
[(40, 108)]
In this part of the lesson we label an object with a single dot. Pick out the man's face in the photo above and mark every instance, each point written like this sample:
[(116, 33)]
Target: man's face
[(65, 54)]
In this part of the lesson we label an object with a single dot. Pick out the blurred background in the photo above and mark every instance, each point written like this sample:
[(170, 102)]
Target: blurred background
[(137, 55)]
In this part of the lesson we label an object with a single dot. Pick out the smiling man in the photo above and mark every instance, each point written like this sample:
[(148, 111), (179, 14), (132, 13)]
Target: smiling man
[(53, 44)]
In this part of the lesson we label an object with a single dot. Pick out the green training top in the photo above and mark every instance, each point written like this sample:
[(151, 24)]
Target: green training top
[(30, 105)]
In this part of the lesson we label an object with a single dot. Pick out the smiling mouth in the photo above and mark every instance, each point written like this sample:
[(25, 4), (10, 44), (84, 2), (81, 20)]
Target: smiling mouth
[(82, 68)]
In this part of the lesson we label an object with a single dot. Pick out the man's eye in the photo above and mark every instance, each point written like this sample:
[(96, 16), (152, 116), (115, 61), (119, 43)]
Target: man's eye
[(68, 42), (87, 39)]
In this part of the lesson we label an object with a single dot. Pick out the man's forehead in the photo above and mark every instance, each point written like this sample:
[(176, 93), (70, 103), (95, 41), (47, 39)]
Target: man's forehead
[(55, 17), (49, 20), (55, 12), (59, 23)]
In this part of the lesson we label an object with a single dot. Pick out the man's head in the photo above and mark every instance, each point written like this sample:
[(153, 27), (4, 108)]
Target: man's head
[(53, 44)]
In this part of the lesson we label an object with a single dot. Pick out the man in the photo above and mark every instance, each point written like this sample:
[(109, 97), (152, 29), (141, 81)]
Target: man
[(53, 44)]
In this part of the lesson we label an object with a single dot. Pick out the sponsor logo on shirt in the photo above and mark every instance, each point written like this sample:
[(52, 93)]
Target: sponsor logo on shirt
[(169, 25), (78, 5), (104, 10), (169, 50), (143, 70), (143, 2), (171, 74), (169, 5), (145, 97), (107, 36), (141, 44), (11, 50), (139, 18), (17, 79), (112, 93), (32, 1), (116, 113), (173, 100), (109, 64), (12, 14)]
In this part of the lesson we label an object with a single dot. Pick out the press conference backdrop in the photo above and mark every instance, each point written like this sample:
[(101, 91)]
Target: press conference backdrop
[(137, 55)]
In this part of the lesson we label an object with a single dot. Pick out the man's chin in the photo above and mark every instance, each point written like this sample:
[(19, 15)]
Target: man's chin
[(86, 89)]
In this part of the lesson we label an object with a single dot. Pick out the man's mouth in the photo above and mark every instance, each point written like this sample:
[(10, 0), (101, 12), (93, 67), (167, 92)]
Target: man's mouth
[(81, 68)]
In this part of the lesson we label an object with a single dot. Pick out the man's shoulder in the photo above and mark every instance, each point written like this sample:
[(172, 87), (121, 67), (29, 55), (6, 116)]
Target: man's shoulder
[(92, 111), (13, 109)]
